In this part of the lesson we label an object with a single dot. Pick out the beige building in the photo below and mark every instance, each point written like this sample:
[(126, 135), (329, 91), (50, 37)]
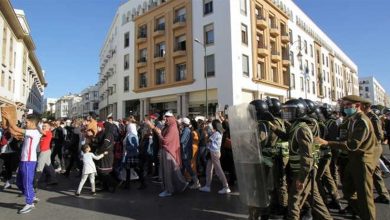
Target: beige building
[(22, 79)]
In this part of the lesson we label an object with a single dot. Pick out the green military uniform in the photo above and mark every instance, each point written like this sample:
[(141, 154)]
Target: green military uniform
[(379, 183), (329, 131), (281, 161), (360, 145), (301, 162)]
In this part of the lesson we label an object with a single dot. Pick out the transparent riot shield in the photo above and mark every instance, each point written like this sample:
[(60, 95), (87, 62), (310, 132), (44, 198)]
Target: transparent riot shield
[(249, 163)]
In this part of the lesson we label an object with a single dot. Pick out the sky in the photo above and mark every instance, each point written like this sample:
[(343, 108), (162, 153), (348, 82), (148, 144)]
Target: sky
[(70, 33)]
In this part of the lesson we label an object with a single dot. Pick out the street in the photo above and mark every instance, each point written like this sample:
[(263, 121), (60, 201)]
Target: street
[(59, 202)]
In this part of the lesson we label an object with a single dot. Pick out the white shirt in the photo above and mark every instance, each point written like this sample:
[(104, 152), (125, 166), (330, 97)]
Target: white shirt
[(89, 165), (30, 144)]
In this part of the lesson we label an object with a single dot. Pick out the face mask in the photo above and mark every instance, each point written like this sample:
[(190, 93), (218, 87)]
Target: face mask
[(349, 111)]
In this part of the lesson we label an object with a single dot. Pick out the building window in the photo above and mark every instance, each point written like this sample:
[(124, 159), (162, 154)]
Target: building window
[(126, 84), (4, 52), (142, 55), (299, 42), (11, 52), (244, 34), (160, 50), (302, 85), (318, 56), (327, 62), (312, 69), (9, 83), (311, 50), (243, 6), (207, 7), (367, 89), (142, 31), (143, 82), (275, 75), (160, 76), (126, 60), (245, 65), (210, 65), (209, 34), (292, 58), (292, 81), (261, 70), (95, 94), (160, 24), (181, 72), (305, 46), (180, 15), (313, 87), (323, 59), (127, 39), (180, 43), (2, 78)]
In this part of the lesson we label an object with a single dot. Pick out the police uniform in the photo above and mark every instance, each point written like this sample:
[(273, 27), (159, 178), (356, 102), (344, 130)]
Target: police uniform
[(360, 145), (379, 183), (324, 177), (301, 162)]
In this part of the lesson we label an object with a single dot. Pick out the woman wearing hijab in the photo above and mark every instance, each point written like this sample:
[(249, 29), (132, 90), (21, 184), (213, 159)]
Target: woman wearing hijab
[(173, 180), (105, 165)]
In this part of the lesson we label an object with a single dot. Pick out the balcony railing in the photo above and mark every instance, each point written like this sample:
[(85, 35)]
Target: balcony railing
[(142, 34), (160, 27), (142, 60), (180, 18), (180, 46), (159, 54)]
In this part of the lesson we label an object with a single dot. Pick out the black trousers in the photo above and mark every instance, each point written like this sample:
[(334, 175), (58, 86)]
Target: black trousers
[(10, 162)]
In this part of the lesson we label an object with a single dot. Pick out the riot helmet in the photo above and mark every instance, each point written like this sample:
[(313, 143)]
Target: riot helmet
[(262, 111), (385, 111), (375, 109), (294, 109), (311, 106), (326, 111), (274, 106)]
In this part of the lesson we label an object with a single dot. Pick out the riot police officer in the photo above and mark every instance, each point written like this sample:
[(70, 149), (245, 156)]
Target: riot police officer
[(301, 141), (263, 116), (324, 177), (360, 145), (378, 181)]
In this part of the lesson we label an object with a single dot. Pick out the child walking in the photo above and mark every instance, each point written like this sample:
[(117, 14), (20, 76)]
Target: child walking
[(89, 169)]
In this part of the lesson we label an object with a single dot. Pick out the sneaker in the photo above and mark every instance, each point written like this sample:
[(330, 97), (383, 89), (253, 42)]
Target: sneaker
[(26, 209), (165, 194), (7, 185), (205, 189), (195, 186), (224, 190), (36, 200), (77, 194)]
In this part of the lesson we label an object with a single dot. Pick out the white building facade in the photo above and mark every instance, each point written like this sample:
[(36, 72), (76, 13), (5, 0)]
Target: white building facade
[(90, 101), (50, 105), (68, 107), (371, 89), (154, 56), (22, 79)]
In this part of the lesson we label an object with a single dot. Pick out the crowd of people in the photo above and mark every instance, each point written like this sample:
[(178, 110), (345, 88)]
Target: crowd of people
[(173, 151), (308, 150)]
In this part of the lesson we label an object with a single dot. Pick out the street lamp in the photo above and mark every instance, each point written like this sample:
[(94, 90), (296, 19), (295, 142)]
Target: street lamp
[(205, 73), (299, 55)]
